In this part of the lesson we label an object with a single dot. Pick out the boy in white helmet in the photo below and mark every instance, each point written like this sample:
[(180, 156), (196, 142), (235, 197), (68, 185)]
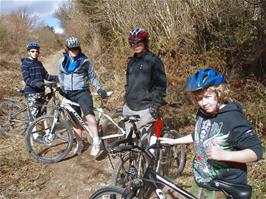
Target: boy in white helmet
[(76, 73)]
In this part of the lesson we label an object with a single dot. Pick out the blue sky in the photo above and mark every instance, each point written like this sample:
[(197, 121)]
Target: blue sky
[(44, 9)]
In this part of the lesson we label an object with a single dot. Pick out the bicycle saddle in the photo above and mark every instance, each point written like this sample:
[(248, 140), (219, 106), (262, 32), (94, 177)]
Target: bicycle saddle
[(238, 191), (133, 118)]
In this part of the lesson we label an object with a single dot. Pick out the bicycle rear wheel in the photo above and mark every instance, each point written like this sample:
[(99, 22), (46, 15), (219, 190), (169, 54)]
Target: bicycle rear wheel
[(109, 128), (108, 192), (13, 118), (129, 166), (172, 158), (121, 175), (46, 146)]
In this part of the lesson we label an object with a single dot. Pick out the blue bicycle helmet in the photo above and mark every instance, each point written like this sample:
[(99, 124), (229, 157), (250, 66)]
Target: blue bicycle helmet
[(33, 45), (203, 79)]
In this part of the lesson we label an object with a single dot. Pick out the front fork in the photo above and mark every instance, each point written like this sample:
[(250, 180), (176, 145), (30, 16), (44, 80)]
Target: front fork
[(56, 118)]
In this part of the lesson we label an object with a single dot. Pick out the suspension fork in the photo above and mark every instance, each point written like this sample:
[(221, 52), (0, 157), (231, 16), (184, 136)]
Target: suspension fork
[(55, 120)]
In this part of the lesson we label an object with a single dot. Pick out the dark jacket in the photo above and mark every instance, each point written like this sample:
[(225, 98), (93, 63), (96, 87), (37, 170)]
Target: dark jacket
[(145, 81), (33, 72), (231, 130), (80, 77)]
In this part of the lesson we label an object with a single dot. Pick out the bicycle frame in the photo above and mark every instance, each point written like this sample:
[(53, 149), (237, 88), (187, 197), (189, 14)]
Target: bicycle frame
[(67, 105), (154, 179)]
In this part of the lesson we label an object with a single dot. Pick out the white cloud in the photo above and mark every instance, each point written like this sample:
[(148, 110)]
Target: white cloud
[(44, 9), (59, 30)]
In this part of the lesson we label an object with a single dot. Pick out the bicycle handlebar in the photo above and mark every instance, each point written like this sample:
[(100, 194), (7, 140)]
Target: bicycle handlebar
[(50, 85)]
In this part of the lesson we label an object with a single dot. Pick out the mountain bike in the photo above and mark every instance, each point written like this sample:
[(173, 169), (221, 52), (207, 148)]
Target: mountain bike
[(14, 118), (137, 187), (170, 160), (56, 140)]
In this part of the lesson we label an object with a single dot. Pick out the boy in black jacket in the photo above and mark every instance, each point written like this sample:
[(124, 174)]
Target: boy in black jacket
[(224, 140), (145, 82)]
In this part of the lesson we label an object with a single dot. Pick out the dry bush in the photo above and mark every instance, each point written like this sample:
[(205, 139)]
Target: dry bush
[(15, 31), (187, 35), (49, 41), (20, 27)]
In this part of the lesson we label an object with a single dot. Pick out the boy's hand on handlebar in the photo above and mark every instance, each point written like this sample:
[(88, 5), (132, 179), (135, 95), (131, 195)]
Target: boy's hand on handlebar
[(102, 93), (39, 85), (53, 84), (169, 141)]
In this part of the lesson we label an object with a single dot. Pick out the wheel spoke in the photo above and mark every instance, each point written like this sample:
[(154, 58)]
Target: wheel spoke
[(46, 146)]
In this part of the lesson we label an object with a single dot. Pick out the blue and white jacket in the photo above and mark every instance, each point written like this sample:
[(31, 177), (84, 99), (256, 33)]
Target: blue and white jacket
[(79, 77)]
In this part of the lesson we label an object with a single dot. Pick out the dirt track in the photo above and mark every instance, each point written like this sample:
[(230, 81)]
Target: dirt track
[(76, 177)]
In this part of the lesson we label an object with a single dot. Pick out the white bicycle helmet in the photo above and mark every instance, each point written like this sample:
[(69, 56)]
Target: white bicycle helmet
[(72, 42)]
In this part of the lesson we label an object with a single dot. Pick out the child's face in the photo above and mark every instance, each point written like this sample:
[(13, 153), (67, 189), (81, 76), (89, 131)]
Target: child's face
[(138, 48), (208, 101), (74, 52), (34, 53)]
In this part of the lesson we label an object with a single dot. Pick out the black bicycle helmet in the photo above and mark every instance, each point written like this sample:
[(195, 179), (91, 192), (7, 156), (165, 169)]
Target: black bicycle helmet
[(204, 78)]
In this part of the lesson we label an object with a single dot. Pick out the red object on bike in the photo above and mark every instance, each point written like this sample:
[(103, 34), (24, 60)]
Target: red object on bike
[(158, 126)]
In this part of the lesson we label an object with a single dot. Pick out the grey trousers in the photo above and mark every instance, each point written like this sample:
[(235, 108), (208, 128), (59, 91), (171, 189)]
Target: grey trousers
[(146, 120)]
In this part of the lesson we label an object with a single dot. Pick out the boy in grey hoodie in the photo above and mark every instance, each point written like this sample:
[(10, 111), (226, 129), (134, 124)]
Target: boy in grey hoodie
[(75, 74)]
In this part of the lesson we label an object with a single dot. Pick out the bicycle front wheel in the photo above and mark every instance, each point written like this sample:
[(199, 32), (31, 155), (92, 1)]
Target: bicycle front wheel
[(13, 118), (172, 158), (48, 145), (108, 192)]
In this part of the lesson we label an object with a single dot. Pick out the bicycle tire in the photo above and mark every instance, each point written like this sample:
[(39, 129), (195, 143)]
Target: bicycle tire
[(13, 118), (111, 191), (108, 128), (173, 158), (121, 174), (50, 148)]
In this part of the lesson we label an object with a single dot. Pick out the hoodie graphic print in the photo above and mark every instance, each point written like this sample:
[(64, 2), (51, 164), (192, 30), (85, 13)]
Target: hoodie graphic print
[(207, 134), (229, 129)]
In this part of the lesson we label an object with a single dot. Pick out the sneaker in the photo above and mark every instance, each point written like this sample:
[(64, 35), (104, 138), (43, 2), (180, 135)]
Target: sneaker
[(96, 145), (79, 147)]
